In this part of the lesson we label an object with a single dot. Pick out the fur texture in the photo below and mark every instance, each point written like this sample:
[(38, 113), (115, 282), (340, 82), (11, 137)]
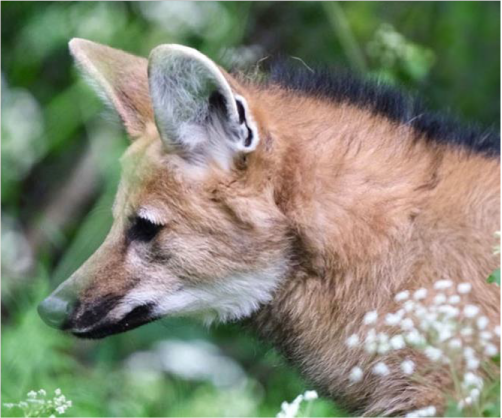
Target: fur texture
[(342, 87), (350, 196)]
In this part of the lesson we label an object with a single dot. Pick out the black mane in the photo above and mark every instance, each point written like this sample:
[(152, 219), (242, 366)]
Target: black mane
[(387, 101)]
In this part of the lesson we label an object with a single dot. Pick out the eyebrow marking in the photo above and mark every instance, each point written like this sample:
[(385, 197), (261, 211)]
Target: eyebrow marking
[(152, 215)]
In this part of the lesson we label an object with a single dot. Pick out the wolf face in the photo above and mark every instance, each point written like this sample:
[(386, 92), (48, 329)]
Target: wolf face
[(196, 229), (304, 203)]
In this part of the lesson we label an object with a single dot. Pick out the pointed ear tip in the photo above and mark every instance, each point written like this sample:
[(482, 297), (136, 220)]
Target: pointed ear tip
[(169, 49), (78, 44), (161, 50)]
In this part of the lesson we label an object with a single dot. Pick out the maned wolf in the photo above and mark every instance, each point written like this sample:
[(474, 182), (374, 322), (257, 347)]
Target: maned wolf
[(300, 202)]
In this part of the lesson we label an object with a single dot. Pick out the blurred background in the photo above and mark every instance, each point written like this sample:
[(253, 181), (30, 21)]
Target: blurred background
[(60, 151)]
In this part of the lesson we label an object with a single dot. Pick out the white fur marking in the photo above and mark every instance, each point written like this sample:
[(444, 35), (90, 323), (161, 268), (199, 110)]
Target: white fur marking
[(235, 298), (152, 215), (252, 126)]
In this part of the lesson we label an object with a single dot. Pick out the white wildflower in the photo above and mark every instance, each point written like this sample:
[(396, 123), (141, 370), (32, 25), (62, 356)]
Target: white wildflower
[(381, 369), (383, 343), (496, 330), (449, 311), (474, 394), (405, 294), (466, 332), (491, 350), (383, 348), (397, 342), (472, 381), (421, 311), (37, 405), (409, 305), (433, 353), (425, 325), (371, 335), (482, 322), (467, 401), (356, 374), (470, 311), (414, 337), (290, 410), (444, 334), (371, 347), (392, 319), (408, 367), (58, 392), (443, 284), (472, 363), (370, 317), (464, 288), (383, 338), (485, 335), (370, 343), (469, 352), (455, 343), (407, 324), (310, 395), (352, 341), (431, 411), (439, 298), (420, 294), (454, 299)]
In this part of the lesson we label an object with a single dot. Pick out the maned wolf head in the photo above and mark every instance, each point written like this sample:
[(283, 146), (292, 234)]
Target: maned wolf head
[(196, 229), (305, 204)]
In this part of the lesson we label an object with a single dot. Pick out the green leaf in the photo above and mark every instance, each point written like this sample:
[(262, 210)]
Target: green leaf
[(453, 410), (495, 277)]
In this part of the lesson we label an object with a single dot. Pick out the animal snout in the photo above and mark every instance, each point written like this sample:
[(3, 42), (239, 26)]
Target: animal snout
[(55, 311), (57, 308)]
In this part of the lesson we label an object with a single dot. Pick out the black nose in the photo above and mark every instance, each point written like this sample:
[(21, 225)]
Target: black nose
[(54, 311)]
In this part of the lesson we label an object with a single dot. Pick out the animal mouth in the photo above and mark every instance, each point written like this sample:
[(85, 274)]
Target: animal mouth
[(139, 316)]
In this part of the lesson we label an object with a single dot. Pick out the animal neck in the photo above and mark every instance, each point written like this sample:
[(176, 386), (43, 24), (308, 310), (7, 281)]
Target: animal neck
[(364, 198), (351, 182)]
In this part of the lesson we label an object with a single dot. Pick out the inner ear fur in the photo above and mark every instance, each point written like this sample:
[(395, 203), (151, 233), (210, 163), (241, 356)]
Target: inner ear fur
[(198, 109)]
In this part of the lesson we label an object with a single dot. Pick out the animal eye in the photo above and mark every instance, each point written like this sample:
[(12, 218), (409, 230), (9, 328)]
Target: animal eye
[(142, 229)]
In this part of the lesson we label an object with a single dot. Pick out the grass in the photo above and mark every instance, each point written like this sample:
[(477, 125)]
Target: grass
[(94, 375)]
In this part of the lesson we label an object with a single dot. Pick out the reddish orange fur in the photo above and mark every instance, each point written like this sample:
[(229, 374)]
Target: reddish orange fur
[(376, 212), (359, 207)]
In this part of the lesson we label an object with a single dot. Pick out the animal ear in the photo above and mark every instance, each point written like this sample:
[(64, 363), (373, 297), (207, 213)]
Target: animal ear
[(120, 77), (197, 112)]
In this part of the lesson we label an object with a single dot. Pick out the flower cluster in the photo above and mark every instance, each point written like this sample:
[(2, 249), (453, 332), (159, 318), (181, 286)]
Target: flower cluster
[(290, 410), (441, 324), (37, 404)]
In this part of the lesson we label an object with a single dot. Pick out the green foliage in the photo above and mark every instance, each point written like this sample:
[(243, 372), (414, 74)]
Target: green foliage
[(60, 170), (495, 277)]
